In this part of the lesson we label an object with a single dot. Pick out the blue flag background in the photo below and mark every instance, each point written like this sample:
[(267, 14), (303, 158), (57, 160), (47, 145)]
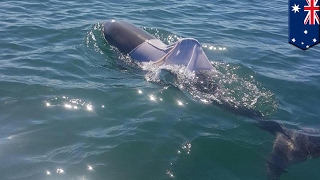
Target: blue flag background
[(302, 35)]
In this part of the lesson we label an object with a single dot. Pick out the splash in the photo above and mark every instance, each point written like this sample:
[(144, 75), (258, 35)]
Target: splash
[(223, 86), (94, 38)]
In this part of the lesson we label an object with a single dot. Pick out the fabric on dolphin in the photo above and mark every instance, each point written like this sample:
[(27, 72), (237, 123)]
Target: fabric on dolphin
[(189, 53), (150, 50), (143, 47)]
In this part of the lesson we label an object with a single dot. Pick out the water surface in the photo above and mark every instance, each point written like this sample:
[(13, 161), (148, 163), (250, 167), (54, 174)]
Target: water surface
[(71, 108)]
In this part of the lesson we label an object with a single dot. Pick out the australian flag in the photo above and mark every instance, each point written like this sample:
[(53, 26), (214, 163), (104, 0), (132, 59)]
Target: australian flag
[(304, 21)]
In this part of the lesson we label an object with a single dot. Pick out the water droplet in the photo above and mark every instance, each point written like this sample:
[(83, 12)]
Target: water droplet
[(180, 103), (90, 168), (68, 106), (152, 98), (89, 107), (60, 171)]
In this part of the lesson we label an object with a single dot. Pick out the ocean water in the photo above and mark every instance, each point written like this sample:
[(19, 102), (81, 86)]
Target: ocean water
[(72, 107)]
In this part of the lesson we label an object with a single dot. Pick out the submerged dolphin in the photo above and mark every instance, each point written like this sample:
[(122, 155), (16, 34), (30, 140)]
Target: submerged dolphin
[(290, 146)]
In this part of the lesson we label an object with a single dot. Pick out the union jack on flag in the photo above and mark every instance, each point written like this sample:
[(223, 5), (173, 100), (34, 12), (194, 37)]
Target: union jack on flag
[(304, 31)]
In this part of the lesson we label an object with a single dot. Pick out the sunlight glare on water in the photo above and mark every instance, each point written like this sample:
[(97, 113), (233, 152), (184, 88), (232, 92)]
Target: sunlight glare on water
[(70, 104), (73, 107)]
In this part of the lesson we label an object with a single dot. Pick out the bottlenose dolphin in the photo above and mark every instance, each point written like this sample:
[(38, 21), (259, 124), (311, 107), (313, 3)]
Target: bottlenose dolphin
[(290, 146)]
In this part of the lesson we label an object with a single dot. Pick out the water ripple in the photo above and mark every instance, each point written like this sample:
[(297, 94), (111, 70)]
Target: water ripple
[(53, 55)]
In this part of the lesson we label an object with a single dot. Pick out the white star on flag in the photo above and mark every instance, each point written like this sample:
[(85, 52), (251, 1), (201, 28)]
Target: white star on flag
[(314, 40), (293, 39), (305, 32), (295, 8)]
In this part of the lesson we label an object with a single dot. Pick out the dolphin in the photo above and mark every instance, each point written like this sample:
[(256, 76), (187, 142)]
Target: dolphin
[(290, 146)]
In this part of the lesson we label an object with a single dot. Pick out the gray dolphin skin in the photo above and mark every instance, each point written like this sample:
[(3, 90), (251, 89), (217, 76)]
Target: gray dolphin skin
[(290, 146)]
